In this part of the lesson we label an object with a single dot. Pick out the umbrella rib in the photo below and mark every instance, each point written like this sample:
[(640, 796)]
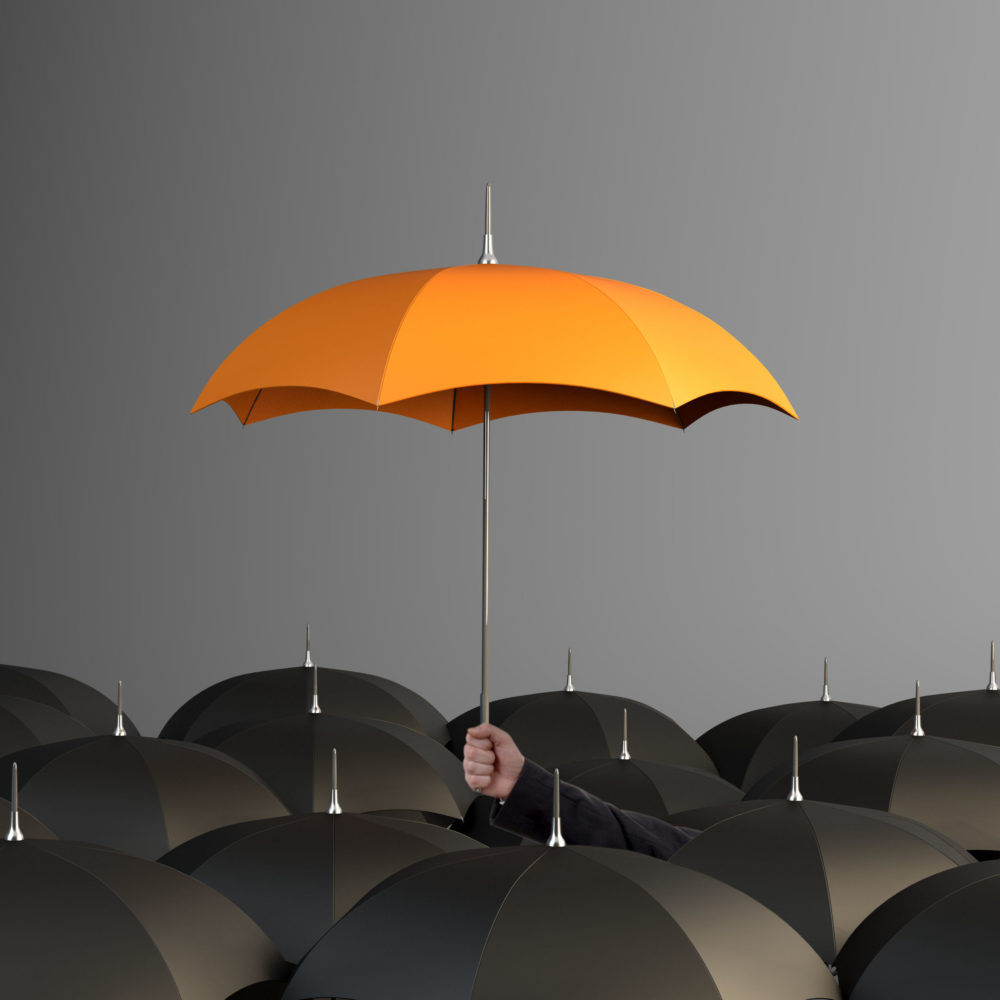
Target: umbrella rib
[(126, 905), (642, 337), (454, 401), (252, 405), (826, 878), (496, 916), (399, 326)]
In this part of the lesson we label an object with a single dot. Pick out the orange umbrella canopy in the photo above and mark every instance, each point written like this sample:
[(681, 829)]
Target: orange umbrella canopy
[(425, 343)]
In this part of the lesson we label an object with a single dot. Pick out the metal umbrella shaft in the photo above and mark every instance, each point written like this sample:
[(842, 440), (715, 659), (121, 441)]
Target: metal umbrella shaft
[(484, 698)]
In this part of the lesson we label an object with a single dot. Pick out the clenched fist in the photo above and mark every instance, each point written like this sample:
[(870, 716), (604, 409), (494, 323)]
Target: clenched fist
[(492, 761)]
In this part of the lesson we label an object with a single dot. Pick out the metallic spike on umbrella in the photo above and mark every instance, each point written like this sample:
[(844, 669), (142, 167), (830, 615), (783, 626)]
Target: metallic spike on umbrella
[(393, 768), (296, 875), (795, 795), (14, 832), (950, 785), (624, 755), (822, 867), (307, 662), (91, 923), (533, 922), (569, 671), (271, 694), (66, 694), (556, 837), (462, 345), (746, 747), (137, 794), (918, 729), (972, 715), (314, 706), (934, 939), (120, 723), (335, 809)]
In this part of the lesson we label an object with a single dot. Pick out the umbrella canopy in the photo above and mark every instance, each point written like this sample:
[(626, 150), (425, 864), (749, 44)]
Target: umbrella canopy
[(26, 723), (386, 767), (458, 345), (90, 923), (821, 867), (649, 787), (137, 793), (297, 875), (66, 694), (962, 715), (747, 746), (935, 939), (269, 694), (540, 922), (554, 726), (949, 785)]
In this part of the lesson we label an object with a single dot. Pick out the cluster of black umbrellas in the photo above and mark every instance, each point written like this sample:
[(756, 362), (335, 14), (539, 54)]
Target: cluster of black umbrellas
[(265, 846)]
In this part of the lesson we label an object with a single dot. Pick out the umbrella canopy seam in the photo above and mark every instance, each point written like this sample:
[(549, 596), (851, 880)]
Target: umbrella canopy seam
[(680, 927), (399, 326), (826, 876), (130, 913), (642, 337), (496, 916)]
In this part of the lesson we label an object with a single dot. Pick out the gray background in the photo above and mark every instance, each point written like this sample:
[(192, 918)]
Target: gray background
[(821, 179)]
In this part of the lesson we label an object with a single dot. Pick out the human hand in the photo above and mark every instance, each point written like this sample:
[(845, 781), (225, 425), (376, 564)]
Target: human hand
[(491, 761)]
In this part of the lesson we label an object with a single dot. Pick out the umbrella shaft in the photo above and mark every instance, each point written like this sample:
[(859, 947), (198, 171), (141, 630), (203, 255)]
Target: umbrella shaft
[(484, 700)]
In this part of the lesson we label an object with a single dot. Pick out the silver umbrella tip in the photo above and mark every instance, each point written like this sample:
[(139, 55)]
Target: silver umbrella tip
[(307, 663), (335, 809), (556, 837), (992, 686), (826, 680), (120, 724), (795, 795), (487, 256), (314, 707), (569, 671), (14, 832), (624, 755), (918, 729)]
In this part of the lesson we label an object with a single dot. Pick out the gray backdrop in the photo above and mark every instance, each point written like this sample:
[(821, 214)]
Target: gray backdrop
[(821, 179)]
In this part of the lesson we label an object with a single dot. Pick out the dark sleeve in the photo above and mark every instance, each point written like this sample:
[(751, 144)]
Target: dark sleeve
[(586, 819)]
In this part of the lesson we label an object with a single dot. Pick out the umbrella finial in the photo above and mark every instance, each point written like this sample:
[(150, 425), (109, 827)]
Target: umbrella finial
[(334, 809), (120, 725), (795, 795), (14, 833), (992, 686), (624, 755), (556, 837), (826, 680), (314, 707), (308, 663), (918, 730), (569, 671), (488, 257)]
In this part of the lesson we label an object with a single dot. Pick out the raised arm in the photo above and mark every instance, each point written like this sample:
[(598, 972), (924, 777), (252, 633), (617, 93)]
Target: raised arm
[(494, 766)]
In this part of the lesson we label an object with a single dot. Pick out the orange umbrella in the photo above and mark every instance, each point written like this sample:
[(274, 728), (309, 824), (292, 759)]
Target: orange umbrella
[(455, 346)]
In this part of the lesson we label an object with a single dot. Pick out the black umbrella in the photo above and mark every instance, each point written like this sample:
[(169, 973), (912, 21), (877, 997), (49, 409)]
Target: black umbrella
[(949, 785), (556, 726), (137, 793), (962, 715), (820, 866), (747, 746), (390, 768), (647, 786), (26, 723), (66, 694), (542, 922), (270, 694), (296, 875), (935, 939), (87, 922)]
